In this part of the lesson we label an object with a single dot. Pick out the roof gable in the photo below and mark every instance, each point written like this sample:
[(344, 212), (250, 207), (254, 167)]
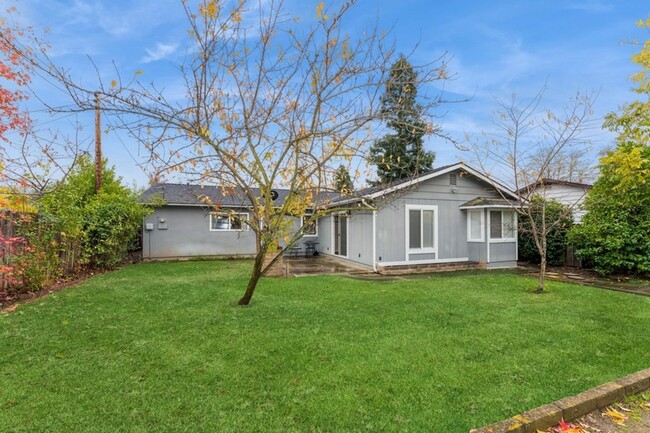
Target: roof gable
[(376, 192)]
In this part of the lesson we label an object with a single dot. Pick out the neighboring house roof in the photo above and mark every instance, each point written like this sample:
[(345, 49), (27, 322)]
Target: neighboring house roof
[(546, 182)]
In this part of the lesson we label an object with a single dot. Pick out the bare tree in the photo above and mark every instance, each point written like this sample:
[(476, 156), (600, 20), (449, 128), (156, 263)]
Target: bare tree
[(529, 143), (38, 160), (271, 101), (32, 158)]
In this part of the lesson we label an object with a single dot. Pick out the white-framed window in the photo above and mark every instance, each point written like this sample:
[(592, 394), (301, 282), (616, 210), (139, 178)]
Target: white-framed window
[(228, 221), (310, 227), (421, 228), (503, 225), (476, 225)]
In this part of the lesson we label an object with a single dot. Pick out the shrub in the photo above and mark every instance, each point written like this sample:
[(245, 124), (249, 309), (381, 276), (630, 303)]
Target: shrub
[(556, 240)]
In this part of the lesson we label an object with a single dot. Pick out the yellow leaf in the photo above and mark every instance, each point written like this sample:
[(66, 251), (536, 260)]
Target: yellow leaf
[(319, 10), (113, 83), (615, 416), (139, 72)]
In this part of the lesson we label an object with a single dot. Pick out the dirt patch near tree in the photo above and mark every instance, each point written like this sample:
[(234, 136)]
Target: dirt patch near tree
[(639, 285)]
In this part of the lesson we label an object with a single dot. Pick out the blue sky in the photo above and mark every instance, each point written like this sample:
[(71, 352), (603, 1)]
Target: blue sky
[(497, 48)]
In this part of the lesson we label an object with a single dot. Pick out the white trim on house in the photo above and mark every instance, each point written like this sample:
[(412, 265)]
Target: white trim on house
[(504, 227), (347, 234), (457, 166), (460, 165), (422, 249), (424, 262), (244, 224), (481, 212)]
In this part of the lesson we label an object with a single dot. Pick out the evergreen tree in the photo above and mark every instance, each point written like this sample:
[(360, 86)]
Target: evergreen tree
[(401, 155), (343, 181)]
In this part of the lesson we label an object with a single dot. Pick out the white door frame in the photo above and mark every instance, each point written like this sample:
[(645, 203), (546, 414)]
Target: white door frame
[(347, 233)]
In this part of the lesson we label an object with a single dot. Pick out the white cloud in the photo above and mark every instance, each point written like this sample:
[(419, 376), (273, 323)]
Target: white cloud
[(160, 52)]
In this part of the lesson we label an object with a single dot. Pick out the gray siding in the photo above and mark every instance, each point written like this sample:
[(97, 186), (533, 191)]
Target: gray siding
[(477, 252), (452, 222), (391, 232), (503, 252), (188, 234), (325, 235), (360, 238)]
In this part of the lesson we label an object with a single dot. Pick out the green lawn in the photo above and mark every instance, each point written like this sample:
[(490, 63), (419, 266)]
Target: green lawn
[(161, 347)]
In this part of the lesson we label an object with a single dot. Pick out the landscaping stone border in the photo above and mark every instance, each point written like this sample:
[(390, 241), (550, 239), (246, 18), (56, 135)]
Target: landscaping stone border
[(570, 408)]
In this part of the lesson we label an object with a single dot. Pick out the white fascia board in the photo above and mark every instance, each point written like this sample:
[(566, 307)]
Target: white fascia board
[(457, 166)]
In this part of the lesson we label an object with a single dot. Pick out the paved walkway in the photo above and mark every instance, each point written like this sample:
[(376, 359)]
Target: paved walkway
[(319, 265)]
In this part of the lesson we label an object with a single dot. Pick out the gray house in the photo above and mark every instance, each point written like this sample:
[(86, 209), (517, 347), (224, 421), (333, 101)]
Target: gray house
[(450, 216)]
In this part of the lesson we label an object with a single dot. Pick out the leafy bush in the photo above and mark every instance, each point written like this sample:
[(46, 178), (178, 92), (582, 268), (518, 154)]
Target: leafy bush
[(556, 240), (96, 229), (615, 232), (110, 225)]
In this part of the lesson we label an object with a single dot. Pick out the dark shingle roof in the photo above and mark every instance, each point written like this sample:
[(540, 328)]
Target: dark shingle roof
[(195, 195)]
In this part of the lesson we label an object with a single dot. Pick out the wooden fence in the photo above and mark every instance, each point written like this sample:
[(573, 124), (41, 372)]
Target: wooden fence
[(8, 250)]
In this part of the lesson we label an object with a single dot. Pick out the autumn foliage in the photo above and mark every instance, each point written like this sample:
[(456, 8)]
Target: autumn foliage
[(15, 73)]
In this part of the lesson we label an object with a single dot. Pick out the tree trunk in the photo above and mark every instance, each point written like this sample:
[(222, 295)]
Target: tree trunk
[(254, 279), (542, 268)]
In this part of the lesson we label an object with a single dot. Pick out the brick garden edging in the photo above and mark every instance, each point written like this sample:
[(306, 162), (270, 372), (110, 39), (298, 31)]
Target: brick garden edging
[(570, 408)]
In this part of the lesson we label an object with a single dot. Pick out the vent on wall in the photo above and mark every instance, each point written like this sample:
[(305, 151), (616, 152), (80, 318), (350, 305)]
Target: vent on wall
[(452, 178)]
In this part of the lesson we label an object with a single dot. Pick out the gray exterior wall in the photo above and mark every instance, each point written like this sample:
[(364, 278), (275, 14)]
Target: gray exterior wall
[(360, 238), (477, 251), (325, 235), (452, 221), (503, 252), (187, 234)]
